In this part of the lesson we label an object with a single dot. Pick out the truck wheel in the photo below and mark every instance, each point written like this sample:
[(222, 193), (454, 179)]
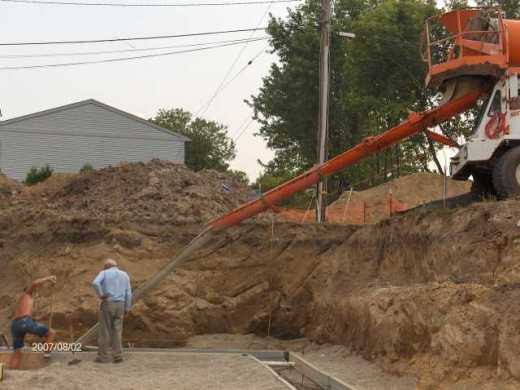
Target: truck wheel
[(482, 186), (506, 174)]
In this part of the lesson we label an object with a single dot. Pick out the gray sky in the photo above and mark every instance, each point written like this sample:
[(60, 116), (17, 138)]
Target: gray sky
[(143, 86)]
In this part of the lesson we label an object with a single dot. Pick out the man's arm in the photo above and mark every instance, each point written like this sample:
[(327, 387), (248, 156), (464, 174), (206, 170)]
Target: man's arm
[(97, 284), (128, 295), (39, 282)]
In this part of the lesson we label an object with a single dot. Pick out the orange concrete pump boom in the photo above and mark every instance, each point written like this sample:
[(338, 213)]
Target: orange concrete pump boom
[(415, 124)]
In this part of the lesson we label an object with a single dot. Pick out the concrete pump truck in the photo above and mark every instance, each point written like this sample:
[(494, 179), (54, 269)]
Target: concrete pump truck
[(476, 49)]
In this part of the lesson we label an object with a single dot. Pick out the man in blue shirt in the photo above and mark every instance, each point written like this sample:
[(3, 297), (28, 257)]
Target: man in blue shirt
[(113, 289)]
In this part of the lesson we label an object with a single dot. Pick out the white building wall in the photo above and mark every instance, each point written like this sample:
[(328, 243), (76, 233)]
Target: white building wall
[(68, 139)]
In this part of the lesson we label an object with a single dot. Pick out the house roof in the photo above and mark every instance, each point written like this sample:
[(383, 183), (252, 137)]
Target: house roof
[(99, 104)]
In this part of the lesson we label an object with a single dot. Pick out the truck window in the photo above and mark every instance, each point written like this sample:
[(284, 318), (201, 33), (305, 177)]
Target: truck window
[(482, 104), (495, 107)]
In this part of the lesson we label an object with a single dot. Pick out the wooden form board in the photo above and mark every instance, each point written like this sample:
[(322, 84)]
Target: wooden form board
[(324, 380)]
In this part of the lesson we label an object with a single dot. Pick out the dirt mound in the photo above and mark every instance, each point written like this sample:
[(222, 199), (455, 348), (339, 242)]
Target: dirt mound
[(147, 192), (157, 191), (415, 189), (52, 184), (405, 192)]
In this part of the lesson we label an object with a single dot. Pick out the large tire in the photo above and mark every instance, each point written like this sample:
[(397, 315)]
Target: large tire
[(482, 187), (506, 174)]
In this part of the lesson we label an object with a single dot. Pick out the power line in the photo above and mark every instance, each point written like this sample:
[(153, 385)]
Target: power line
[(219, 89), (118, 59), (86, 53), (102, 4), (250, 62), (130, 38), (243, 130), (242, 124), (224, 86)]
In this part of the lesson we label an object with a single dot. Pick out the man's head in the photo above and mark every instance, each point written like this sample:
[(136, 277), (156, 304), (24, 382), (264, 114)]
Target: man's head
[(109, 263)]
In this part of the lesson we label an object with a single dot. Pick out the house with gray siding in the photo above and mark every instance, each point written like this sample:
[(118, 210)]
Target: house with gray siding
[(89, 131)]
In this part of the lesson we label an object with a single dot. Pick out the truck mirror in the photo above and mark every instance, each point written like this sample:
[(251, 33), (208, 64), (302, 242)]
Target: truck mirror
[(513, 86)]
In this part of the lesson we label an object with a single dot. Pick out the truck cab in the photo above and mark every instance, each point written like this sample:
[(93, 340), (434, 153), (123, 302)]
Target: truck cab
[(462, 48), (495, 135)]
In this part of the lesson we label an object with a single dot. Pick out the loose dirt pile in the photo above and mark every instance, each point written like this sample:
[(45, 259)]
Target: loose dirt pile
[(430, 293), (413, 190), (405, 192), (155, 192)]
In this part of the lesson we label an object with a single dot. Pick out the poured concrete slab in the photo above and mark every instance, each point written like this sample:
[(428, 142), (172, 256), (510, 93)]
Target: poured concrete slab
[(144, 370)]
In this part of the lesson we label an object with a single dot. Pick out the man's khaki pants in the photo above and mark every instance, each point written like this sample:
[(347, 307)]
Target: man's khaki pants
[(110, 329)]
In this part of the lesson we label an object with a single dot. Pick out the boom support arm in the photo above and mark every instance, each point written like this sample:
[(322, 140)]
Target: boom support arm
[(415, 124)]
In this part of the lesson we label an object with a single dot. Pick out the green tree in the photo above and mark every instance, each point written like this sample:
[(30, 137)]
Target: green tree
[(240, 176), (376, 79), (210, 146), (37, 175), (387, 72), (288, 99), (87, 167), (510, 7)]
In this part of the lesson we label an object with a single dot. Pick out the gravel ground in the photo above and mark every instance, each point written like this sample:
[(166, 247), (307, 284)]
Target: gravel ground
[(354, 370), (144, 370)]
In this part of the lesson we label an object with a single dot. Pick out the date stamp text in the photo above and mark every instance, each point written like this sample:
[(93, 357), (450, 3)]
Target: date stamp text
[(56, 347)]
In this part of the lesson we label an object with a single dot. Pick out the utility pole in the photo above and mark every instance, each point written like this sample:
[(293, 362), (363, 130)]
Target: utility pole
[(324, 104)]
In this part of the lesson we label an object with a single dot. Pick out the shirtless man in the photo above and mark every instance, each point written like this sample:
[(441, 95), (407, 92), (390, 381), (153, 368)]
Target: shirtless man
[(23, 322)]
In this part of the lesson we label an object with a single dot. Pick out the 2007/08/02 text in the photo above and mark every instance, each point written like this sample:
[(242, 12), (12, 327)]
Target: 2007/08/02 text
[(56, 347)]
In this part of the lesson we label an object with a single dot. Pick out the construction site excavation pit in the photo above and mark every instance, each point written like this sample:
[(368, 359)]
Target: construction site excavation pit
[(430, 296)]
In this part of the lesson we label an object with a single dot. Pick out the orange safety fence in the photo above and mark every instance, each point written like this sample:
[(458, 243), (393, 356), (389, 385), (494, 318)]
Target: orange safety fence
[(353, 211)]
